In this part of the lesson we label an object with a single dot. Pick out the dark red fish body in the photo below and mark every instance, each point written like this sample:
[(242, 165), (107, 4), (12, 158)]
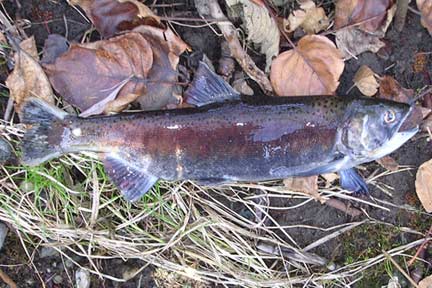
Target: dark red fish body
[(248, 140), (231, 142)]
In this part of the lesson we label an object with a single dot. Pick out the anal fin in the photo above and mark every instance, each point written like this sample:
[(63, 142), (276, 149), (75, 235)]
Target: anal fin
[(352, 181), (132, 181), (208, 87)]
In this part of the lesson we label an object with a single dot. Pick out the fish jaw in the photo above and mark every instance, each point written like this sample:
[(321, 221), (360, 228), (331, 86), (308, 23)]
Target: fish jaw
[(398, 139)]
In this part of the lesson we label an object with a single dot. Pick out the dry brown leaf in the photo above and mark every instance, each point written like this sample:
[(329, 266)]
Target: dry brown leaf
[(366, 81), (423, 185), (28, 78), (88, 73), (426, 282), (391, 89), (425, 7), (353, 41), (260, 27), (312, 68), (113, 16), (307, 185), (91, 76), (369, 15), (388, 163), (311, 18), (163, 76)]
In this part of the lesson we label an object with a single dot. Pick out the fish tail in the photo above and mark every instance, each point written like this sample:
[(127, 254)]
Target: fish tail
[(42, 139)]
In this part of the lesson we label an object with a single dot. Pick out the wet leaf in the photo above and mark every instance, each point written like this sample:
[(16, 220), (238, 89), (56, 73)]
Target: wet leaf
[(425, 7), (365, 81), (312, 68), (392, 90), (311, 18), (162, 88), (89, 73), (260, 27), (371, 14), (55, 45), (307, 185), (423, 185), (113, 16), (388, 163), (28, 78), (356, 39), (352, 42)]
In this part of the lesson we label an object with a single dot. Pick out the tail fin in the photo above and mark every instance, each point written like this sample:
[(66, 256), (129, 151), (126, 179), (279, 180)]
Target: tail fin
[(43, 136)]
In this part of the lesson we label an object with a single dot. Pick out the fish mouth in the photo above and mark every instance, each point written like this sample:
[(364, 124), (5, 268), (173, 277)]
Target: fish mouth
[(398, 139)]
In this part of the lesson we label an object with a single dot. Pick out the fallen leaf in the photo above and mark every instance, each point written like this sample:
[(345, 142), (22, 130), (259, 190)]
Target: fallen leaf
[(365, 81), (312, 68), (423, 185), (388, 163), (28, 78), (89, 73), (367, 15), (352, 42), (425, 7), (330, 178), (420, 62), (311, 18), (260, 27), (426, 126), (113, 16), (55, 45), (162, 88), (426, 282), (391, 89), (307, 185)]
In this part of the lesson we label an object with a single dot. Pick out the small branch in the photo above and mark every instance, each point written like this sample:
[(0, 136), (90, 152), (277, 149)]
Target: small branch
[(335, 203), (400, 269), (401, 12), (6, 279), (228, 30)]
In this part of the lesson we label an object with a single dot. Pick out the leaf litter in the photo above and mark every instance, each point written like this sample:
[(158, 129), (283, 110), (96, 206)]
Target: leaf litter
[(28, 78)]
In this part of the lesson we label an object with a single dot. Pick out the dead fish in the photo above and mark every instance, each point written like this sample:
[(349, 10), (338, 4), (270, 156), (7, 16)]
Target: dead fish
[(222, 141)]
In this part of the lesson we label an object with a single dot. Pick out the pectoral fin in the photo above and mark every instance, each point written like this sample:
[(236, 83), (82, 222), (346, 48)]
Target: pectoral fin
[(208, 87), (132, 180), (352, 181)]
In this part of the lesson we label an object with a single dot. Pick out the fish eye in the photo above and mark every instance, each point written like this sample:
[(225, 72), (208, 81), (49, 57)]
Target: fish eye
[(389, 116)]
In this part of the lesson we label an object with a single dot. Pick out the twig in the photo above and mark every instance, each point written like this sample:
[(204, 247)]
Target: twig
[(335, 203), (230, 34), (400, 269), (422, 247), (401, 12), (6, 279)]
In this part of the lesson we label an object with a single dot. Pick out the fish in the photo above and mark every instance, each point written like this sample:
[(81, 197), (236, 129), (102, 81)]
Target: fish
[(224, 138)]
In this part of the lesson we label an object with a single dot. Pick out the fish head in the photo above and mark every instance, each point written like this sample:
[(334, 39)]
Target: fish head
[(371, 128)]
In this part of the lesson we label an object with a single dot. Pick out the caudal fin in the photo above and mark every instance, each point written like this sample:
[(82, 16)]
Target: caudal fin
[(43, 135)]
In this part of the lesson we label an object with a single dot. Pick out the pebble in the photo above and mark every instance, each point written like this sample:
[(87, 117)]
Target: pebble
[(3, 233), (48, 252), (82, 278), (58, 279), (5, 151), (69, 263)]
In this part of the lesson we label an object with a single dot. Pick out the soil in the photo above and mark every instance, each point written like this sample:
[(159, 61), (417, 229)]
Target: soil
[(397, 60)]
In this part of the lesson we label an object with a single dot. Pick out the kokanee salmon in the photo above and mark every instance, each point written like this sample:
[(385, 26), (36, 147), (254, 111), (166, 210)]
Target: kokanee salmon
[(227, 138)]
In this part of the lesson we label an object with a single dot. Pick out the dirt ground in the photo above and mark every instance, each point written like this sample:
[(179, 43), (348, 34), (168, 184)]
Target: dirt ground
[(48, 17)]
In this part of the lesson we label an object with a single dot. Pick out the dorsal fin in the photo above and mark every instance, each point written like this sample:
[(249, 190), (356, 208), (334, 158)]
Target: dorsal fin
[(132, 181), (208, 87)]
